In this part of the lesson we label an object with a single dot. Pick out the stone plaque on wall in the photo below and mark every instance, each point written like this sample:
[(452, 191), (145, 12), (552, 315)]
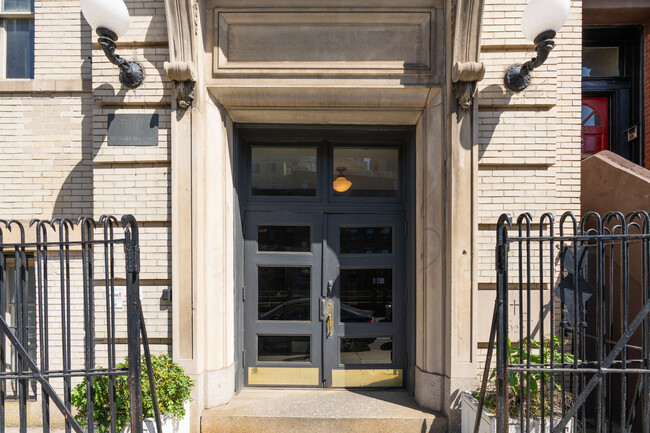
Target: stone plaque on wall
[(132, 129)]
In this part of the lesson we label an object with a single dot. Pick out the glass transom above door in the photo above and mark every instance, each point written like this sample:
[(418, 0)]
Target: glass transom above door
[(324, 173)]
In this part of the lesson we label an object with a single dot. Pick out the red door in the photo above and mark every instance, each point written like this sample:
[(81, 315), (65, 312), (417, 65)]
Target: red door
[(595, 124)]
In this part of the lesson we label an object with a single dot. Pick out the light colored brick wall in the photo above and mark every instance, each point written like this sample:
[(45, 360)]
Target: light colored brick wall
[(136, 179), (55, 160), (139, 189), (62, 42), (45, 155), (529, 142)]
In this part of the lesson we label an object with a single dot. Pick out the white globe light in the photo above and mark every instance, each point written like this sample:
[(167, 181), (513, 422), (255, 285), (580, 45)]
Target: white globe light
[(543, 15), (111, 14)]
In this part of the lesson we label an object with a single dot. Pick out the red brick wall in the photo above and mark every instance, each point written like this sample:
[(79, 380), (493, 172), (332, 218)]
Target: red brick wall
[(646, 91)]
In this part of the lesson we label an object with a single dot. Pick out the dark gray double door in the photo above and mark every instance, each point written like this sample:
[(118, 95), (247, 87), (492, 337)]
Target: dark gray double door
[(324, 299)]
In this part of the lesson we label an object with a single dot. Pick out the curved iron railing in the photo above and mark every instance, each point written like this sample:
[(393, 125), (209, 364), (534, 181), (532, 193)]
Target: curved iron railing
[(55, 248), (579, 356)]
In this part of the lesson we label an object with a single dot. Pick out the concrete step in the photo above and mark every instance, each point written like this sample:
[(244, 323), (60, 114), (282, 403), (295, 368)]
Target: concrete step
[(321, 411)]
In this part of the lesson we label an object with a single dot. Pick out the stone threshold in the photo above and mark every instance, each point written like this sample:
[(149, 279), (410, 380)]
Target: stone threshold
[(321, 411)]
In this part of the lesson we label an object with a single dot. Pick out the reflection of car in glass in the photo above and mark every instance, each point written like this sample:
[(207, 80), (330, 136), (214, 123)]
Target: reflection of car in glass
[(283, 348), (298, 309)]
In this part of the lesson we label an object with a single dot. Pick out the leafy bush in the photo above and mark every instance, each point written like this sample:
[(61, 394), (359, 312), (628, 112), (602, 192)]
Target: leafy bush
[(173, 389), (518, 354)]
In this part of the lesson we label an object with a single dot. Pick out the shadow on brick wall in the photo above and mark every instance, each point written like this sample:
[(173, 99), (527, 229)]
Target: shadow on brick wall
[(498, 98), (75, 198)]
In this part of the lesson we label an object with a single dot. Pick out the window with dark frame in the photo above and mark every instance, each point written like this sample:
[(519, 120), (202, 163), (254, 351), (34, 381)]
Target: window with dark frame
[(16, 39)]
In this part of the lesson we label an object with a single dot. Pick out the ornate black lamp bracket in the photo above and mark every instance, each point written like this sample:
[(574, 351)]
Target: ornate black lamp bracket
[(517, 77), (131, 73)]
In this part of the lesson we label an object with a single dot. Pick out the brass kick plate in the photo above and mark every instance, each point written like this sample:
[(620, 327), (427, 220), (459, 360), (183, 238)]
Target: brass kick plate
[(359, 378), (283, 376)]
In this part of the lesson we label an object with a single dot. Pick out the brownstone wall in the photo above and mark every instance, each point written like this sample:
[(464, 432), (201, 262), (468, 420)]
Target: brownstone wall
[(646, 94)]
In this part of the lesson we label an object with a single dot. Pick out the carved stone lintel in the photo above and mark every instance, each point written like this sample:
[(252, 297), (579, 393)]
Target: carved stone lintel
[(464, 93), (183, 78), (465, 76)]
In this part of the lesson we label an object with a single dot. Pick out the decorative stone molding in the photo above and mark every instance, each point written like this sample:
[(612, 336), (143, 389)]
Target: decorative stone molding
[(183, 78), (466, 31), (312, 42), (465, 76), (181, 29)]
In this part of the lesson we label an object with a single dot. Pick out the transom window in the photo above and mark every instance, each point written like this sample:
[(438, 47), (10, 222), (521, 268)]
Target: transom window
[(325, 172), (16, 39)]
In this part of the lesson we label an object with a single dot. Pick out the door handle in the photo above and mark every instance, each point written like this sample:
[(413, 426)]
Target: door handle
[(329, 321), (327, 315)]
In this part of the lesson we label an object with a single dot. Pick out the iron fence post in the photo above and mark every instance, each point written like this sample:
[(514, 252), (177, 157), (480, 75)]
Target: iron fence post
[(132, 257), (502, 322), (3, 278), (29, 322)]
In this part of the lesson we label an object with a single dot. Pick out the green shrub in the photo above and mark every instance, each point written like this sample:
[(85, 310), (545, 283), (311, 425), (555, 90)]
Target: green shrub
[(173, 389), (518, 354)]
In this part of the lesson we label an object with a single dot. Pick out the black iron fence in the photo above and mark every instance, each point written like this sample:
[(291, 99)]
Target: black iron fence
[(51, 274), (571, 324)]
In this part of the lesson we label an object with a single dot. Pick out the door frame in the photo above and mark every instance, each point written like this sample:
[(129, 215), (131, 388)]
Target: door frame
[(369, 134), (625, 90)]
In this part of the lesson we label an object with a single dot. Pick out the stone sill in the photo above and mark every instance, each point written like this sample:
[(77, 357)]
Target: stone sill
[(45, 86)]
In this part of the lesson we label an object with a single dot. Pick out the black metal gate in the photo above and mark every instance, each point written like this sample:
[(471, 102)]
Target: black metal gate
[(45, 269), (572, 324)]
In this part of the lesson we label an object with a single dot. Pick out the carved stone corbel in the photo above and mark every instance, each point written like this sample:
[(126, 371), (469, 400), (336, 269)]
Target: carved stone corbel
[(183, 78), (467, 70), (465, 76), (182, 28)]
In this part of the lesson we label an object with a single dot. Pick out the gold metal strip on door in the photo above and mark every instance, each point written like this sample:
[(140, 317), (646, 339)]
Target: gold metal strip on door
[(291, 376), (371, 378)]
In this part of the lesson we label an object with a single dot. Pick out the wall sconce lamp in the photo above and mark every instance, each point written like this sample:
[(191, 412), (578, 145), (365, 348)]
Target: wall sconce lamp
[(541, 21), (341, 184), (110, 19)]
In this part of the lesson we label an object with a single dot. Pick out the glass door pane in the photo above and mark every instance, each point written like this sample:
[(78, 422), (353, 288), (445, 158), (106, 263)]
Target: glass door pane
[(366, 347), (282, 277)]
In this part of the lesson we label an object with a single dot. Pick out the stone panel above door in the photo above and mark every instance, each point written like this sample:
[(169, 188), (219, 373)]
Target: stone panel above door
[(341, 42)]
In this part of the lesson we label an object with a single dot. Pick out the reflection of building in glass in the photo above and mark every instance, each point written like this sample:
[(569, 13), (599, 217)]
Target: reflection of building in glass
[(297, 175), (373, 171)]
